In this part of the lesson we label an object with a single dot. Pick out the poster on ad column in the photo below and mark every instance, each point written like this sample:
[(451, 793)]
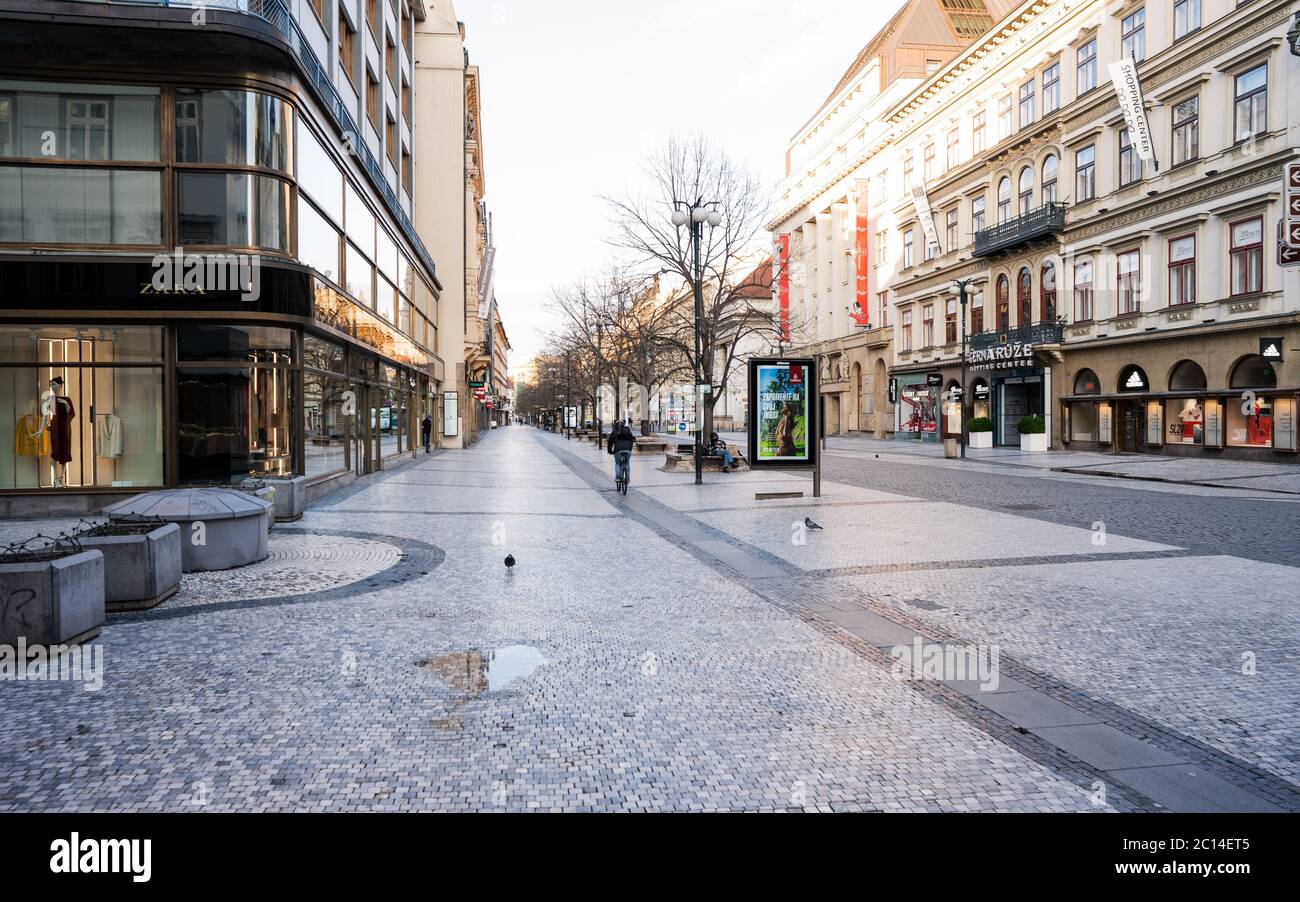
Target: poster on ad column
[(782, 413)]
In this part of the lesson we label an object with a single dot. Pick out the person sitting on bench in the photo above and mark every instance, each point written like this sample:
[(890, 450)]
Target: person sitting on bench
[(716, 447)]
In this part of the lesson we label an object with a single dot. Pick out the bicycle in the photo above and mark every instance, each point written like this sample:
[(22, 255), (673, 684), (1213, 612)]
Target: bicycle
[(622, 471)]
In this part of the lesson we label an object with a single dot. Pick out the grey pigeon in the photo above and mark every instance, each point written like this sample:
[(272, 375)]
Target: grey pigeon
[(807, 521), (510, 561)]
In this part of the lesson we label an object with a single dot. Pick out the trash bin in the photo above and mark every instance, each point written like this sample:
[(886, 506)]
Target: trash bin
[(950, 448)]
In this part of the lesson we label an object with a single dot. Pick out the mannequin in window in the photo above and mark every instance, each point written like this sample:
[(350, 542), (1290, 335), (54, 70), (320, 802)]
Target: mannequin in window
[(60, 413)]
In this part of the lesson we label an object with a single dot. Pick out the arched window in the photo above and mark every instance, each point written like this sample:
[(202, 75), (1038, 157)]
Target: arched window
[(1024, 297), (1087, 383), (1004, 303), (1050, 167), (1133, 379), (1004, 199), (1253, 372), (1047, 293), (1187, 376), (1026, 189)]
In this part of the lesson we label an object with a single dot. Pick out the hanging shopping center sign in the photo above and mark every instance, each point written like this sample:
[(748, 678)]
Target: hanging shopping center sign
[(1004, 356), (1124, 74)]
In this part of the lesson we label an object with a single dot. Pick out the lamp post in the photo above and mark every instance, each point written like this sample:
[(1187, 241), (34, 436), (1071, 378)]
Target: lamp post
[(958, 288), (696, 215), (600, 358)]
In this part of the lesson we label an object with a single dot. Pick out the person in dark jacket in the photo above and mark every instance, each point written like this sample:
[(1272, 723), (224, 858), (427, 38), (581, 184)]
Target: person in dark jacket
[(718, 448), (426, 432), (621, 442)]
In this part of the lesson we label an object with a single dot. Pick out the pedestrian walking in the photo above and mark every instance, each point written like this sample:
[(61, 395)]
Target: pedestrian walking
[(426, 432)]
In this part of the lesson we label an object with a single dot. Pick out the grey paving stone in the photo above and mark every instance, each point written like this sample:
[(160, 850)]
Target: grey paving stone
[(1186, 787), (1034, 709), (1105, 747)]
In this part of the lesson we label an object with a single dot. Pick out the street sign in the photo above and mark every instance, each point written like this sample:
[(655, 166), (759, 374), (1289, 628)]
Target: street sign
[(1291, 228), (1287, 256)]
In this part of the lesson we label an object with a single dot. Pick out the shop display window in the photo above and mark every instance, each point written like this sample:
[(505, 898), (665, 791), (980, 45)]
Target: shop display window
[(1185, 422), (918, 409), (329, 432), (1250, 422), (1083, 421), (234, 209), (252, 344), (77, 411), (233, 422)]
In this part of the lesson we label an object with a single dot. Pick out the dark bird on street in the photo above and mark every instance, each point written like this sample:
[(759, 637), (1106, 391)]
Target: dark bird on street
[(510, 561), (807, 521)]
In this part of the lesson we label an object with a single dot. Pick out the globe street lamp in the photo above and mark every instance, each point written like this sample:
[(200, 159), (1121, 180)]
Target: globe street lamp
[(958, 289), (696, 215)]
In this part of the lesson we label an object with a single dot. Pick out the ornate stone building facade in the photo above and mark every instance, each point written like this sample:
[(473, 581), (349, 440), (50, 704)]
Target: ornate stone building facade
[(1127, 290)]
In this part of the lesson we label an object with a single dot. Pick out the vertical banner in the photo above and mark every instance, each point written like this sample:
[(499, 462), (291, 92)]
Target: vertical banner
[(921, 201), (1124, 74), (782, 413), (781, 288), (861, 257)]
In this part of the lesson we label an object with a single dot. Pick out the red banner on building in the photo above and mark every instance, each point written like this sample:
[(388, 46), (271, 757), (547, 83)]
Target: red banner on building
[(781, 288), (861, 258)]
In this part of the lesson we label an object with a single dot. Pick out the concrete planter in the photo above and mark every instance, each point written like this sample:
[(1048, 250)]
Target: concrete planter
[(140, 571), (52, 602), (220, 528), (1033, 443), (289, 497), (981, 439)]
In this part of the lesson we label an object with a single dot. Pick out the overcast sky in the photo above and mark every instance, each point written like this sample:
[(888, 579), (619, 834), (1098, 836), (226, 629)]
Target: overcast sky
[(576, 92)]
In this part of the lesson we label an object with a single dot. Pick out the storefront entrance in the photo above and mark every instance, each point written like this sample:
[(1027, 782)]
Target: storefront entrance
[(1132, 422), (1019, 396)]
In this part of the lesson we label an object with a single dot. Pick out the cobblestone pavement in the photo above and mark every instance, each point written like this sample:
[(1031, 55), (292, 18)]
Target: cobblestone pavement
[(682, 649)]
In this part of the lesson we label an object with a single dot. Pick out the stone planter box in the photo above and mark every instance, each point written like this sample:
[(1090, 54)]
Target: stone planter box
[(289, 495), (649, 445), (220, 528), (140, 571), (54, 602), (1033, 443), (981, 439)]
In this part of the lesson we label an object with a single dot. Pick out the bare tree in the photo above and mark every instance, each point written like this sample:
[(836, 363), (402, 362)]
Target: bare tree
[(695, 172)]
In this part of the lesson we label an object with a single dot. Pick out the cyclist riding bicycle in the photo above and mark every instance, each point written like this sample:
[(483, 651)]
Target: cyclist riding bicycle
[(621, 442)]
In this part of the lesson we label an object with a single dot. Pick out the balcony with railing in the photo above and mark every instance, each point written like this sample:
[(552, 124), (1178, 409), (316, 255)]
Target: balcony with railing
[(1047, 220)]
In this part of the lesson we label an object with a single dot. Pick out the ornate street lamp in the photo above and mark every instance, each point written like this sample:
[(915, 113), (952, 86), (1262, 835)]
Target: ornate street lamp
[(958, 288), (696, 215)]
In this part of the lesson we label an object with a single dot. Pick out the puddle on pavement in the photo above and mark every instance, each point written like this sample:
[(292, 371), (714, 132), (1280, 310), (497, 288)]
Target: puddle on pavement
[(475, 672)]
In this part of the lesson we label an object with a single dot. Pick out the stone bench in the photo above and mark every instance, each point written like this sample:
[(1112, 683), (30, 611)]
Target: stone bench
[(650, 445)]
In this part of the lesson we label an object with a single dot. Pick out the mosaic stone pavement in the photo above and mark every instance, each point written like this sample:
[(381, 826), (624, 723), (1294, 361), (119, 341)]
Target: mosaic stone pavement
[(391, 662)]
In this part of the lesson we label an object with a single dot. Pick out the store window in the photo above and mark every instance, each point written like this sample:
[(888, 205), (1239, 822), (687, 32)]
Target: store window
[(1182, 270), (1246, 256), (239, 128), (918, 409), (250, 344), (318, 242), (81, 406), (1083, 421), (234, 209)]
